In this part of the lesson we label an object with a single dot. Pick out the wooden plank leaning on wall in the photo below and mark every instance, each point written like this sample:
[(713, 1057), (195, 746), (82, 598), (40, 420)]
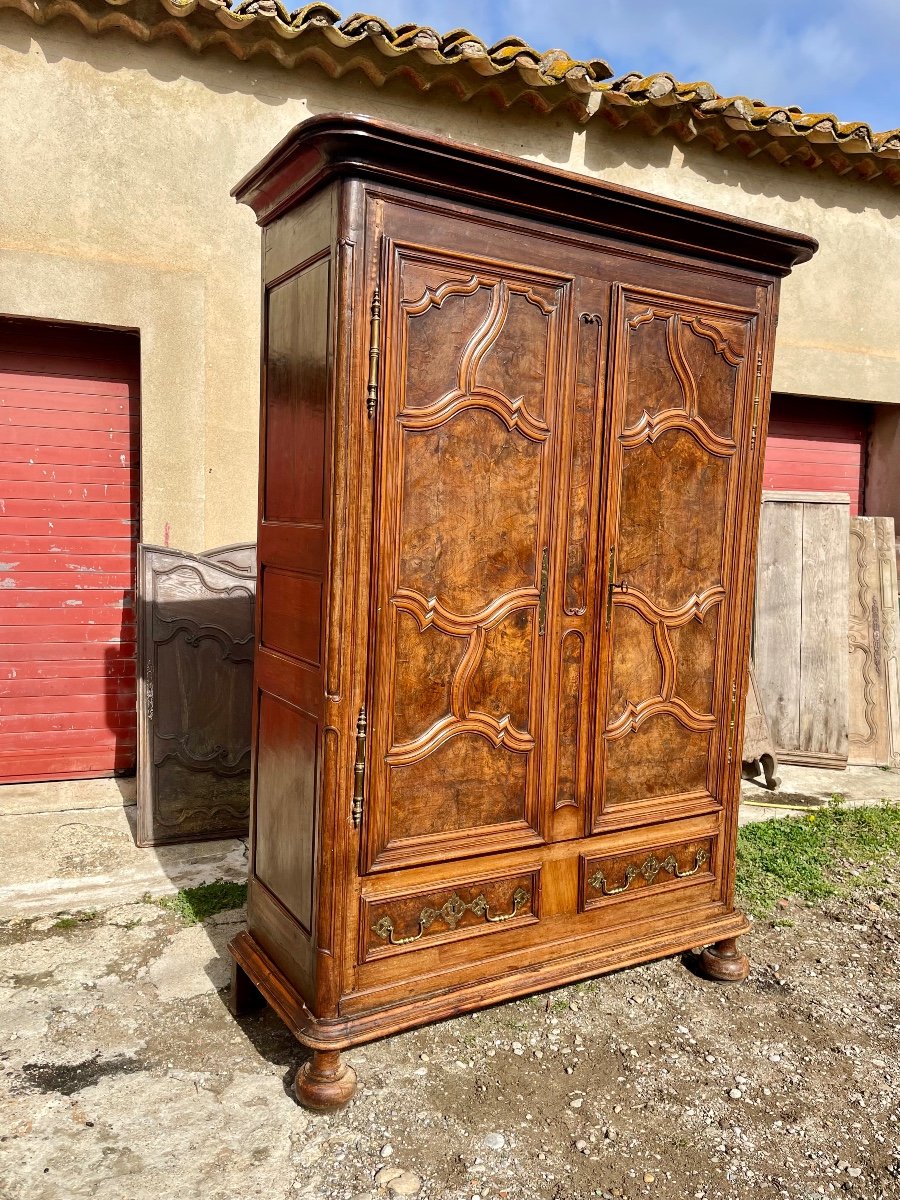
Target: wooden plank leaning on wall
[(874, 643), (802, 615)]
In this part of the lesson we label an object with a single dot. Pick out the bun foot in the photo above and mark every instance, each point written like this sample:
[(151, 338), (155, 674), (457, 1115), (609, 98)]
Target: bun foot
[(724, 962), (325, 1083)]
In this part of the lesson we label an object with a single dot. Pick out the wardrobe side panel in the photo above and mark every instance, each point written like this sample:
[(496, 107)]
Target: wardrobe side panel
[(293, 548)]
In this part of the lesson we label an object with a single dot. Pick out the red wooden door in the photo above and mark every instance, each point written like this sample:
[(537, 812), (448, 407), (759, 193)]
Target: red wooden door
[(817, 446), (68, 528)]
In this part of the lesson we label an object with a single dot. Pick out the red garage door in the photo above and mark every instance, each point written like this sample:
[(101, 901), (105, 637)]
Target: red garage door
[(817, 446), (68, 524)]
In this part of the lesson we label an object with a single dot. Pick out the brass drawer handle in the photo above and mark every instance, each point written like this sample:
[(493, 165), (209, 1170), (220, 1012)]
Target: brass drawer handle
[(649, 869), (451, 913)]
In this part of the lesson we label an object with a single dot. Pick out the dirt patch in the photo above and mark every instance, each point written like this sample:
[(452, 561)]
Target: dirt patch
[(67, 1079), (651, 1082)]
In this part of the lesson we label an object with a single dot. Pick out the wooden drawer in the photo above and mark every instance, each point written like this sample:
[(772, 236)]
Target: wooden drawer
[(416, 919), (609, 879)]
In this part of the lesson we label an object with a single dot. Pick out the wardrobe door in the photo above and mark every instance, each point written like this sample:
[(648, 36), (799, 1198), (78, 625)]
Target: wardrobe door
[(471, 370), (683, 388)]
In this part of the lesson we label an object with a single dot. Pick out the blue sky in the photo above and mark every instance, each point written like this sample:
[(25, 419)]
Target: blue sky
[(840, 56)]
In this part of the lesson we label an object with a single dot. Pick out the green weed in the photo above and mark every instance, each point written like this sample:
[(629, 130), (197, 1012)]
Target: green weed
[(195, 904), (73, 920), (809, 857)]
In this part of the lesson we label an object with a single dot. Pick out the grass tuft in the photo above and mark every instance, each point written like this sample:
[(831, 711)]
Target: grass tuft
[(73, 920), (811, 857), (195, 904)]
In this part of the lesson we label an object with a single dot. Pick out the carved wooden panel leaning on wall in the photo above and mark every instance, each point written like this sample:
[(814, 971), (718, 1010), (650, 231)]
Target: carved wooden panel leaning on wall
[(195, 689)]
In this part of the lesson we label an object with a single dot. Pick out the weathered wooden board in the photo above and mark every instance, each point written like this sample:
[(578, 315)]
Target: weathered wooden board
[(776, 652), (874, 643), (824, 713), (195, 693), (801, 625)]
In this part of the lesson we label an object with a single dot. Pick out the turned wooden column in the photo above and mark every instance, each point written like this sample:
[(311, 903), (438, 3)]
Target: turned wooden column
[(724, 963), (325, 1082)]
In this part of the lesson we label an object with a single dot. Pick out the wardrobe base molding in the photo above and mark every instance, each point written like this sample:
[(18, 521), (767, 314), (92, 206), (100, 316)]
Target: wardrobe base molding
[(343, 1033)]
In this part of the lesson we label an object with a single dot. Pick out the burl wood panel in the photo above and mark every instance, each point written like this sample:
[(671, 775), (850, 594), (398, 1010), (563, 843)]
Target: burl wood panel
[(874, 644), (802, 615), (437, 915), (682, 369), (570, 706), (468, 445), (572, 607), (194, 722), (584, 437)]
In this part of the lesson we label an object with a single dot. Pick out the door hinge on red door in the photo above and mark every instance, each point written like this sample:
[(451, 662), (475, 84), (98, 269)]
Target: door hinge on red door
[(359, 769)]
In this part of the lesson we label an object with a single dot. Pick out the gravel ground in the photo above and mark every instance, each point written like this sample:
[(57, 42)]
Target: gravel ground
[(124, 1077)]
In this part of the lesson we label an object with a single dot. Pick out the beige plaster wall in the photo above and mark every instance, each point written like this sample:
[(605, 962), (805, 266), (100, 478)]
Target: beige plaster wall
[(116, 162)]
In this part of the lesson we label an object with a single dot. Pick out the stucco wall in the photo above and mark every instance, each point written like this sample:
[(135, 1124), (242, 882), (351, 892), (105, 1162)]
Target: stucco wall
[(117, 162)]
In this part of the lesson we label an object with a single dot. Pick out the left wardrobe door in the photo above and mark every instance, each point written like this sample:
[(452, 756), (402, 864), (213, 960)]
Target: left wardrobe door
[(472, 368)]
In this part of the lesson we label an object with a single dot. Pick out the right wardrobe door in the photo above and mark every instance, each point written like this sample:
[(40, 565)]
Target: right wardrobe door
[(683, 378)]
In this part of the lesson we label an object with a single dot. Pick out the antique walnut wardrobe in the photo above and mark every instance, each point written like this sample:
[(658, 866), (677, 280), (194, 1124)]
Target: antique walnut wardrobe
[(511, 457)]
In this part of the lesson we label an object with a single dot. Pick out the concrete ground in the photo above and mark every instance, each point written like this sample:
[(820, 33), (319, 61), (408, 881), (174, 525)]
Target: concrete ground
[(69, 847), (124, 1077), (805, 787)]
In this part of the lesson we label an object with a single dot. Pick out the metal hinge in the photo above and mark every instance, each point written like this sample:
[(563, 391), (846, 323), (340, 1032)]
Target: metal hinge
[(148, 694), (756, 400), (374, 352), (542, 601), (731, 723), (359, 769)]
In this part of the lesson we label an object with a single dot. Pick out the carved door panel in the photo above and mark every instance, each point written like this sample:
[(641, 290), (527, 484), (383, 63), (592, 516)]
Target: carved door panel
[(196, 687), (474, 365), (684, 374)]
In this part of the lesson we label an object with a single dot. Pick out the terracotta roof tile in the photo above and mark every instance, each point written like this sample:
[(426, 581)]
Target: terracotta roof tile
[(508, 71)]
